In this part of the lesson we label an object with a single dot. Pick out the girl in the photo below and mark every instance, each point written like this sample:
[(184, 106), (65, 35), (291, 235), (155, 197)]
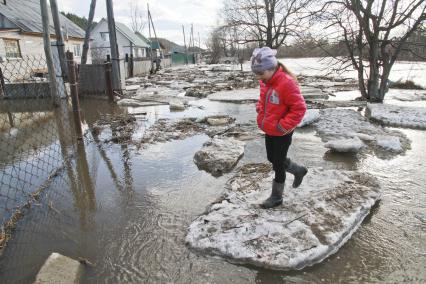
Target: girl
[(279, 110)]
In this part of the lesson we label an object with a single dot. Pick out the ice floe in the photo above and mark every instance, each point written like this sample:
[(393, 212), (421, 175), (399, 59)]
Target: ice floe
[(413, 117), (314, 221), (340, 124), (311, 115), (389, 143), (236, 96), (219, 155), (352, 145)]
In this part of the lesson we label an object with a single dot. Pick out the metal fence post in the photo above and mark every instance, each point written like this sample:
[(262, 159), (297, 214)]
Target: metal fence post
[(2, 94), (74, 95), (108, 81), (132, 66)]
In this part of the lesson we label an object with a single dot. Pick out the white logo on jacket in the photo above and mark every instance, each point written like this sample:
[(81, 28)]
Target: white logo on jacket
[(274, 98)]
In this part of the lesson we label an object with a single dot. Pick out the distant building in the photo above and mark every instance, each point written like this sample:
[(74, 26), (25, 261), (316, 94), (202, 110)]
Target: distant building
[(155, 47), (21, 31), (128, 42)]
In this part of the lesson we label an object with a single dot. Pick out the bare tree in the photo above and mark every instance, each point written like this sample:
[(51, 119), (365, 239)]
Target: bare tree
[(88, 30), (266, 22), (215, 45), (373, 33), (136, 15)]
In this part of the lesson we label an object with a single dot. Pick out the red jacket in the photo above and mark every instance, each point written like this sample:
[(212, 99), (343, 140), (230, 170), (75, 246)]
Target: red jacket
[(281, 106)]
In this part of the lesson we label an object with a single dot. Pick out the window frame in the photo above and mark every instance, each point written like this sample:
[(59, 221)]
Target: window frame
[(18, 53), (77, 47), (105, 36)]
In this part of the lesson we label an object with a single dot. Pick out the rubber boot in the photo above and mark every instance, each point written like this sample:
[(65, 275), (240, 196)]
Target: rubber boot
[(298, 171), (276, 197)]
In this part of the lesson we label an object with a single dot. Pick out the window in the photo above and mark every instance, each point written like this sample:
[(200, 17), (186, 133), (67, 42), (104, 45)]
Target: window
[(12, 48), (105, 36), (77, 50)]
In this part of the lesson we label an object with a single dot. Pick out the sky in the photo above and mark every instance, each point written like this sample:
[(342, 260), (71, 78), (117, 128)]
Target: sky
[(168, 15)]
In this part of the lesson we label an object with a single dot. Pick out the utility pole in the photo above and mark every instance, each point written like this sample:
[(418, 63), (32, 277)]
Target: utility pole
[(59, 38), (189, 42), (113, 45), (48, 51), (87, 35), (192, 37), (150, 41), (184, 42), (155, 34)]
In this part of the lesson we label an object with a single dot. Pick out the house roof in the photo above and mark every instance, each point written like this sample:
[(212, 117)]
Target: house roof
[(155, 45), (130, 35), (26, 15), (138, 34)]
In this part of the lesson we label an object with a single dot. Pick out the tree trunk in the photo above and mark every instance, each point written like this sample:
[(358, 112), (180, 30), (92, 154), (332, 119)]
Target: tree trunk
[(361, 84), (373, 80), (88, 30), (384, 86), (269, 18)]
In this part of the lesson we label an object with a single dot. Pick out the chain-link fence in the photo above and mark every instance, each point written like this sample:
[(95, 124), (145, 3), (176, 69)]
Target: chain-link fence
[(37, 141)]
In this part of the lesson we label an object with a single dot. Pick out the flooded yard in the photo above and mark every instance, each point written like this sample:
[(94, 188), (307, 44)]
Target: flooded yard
[(126, 208)]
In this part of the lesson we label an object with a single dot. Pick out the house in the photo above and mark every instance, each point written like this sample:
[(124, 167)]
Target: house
[(21, 30), (128, 42), (153, 46)]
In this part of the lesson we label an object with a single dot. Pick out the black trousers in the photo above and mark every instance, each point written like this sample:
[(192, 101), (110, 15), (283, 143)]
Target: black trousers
[(276, 151)]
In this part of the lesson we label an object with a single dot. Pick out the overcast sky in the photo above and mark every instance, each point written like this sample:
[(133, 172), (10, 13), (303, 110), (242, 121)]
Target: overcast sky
[(168, 15)]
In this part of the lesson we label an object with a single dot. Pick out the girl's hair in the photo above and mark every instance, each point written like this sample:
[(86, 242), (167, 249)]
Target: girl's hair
[(286, 70)]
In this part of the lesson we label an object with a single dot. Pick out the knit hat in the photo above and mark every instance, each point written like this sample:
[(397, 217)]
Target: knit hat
[(263, 59)]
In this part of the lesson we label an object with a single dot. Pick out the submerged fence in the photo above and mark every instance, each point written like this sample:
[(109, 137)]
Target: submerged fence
[(28, 154), (46, 175), (44, 172)]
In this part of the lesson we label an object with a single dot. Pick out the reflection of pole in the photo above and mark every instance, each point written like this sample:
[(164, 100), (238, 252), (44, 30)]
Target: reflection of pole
[(63, 126), (59, 38), (48, 51), (10, 116), (113, 45), (83, 172), (105, 158), (74, 95), (128, 178)]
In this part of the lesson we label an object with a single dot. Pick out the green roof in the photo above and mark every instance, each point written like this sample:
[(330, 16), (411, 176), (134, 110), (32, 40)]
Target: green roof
[(155, 45)]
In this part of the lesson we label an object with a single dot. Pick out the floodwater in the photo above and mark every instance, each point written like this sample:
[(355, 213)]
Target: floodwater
[(126, 211)]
